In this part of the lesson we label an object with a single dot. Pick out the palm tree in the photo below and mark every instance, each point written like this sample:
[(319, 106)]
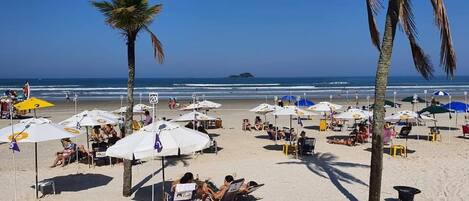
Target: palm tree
[(130, 17), (399, 12)]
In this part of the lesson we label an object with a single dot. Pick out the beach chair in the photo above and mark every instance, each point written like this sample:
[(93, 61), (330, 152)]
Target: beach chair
[(100, 158), (465, 130), (250, 190), (184, 192), (308, 147), (233, 190), (405, 131)]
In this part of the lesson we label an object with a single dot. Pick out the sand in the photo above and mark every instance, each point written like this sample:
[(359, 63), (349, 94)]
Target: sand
[(335, 172)]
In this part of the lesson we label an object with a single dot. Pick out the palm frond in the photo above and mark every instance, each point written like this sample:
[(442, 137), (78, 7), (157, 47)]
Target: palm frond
[(447, 52), (372, 7), (421, 60), (157, 46)]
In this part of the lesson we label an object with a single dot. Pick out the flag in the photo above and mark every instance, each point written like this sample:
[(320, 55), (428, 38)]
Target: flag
[(158, 146), (26, 90), (14, 146)]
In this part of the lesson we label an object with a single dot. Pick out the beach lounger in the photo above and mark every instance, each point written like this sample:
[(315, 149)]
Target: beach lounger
[(233, 190), (184, 192), (250, 190), (405, 131)]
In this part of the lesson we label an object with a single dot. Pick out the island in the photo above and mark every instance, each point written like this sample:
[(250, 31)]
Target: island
[(242, 75)]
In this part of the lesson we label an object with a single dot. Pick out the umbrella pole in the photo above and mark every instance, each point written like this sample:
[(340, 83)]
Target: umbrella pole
[(162, 166), (14, 160), (88, 144), (35, 164)]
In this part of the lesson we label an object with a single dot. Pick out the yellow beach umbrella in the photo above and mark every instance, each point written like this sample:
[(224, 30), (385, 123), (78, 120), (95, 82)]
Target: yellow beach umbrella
[(33, 103)]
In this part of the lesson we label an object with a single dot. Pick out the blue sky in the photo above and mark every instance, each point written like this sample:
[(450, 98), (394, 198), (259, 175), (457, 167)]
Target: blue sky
[(213, 38)]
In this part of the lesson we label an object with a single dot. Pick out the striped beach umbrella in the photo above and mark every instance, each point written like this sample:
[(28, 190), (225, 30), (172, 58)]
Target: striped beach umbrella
[(440, 93)]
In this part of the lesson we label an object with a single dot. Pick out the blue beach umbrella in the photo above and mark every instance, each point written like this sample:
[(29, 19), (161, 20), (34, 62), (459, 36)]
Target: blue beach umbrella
[(289, 98), (456, 106), (304, 103), (440, 93)]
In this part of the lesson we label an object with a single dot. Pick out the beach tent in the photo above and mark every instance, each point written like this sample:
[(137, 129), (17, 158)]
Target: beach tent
[(160, 138), (304, 103), (34, 130)]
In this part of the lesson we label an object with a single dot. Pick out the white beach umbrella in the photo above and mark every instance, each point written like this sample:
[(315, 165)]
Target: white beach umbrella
[(265, 108), (36, 130), (292, 111), (194, 116), (160, 138), (138, 109), (202, 105), (404, 115), (89, 118), (325, 107), (172, 137), (353, 114)]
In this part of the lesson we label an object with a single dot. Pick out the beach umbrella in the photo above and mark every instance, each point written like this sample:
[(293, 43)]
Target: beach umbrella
[(404, 115), (159, 138), (89, 118), (264, 108), (354, 114), (433, 109), (411, 99), (304, 103), (194, 116), (202, 105), (34, 130), (33, 104), (138, 109), (292, 111), (325, 107), (289, 98), (440, 93), (456, 106)]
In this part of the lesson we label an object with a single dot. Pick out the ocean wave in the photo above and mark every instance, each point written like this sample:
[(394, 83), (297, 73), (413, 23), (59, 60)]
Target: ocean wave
[(226, 85)]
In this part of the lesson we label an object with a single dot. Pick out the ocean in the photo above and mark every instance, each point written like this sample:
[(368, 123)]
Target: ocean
[(230, 88)]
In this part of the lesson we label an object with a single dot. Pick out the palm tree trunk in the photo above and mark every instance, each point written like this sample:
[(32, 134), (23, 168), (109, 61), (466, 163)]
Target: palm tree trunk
[(380, 91), (127, 182)]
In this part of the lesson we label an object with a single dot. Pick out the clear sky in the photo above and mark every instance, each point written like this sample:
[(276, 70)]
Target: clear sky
[(215, 38)]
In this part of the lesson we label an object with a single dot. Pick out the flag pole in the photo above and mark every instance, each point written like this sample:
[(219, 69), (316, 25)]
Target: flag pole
[(13, 151)]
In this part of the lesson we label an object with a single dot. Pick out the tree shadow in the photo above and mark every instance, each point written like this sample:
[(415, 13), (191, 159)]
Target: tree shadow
[(462, 137), (169, 161), (79, 182), (265, 137), (144, 193), (325, 166), (387, 150)]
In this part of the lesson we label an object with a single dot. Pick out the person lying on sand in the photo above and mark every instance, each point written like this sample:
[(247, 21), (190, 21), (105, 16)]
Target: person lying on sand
[(350, 141)]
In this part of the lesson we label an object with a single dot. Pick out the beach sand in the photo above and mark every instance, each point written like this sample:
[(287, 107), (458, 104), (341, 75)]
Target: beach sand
[(335, 172)]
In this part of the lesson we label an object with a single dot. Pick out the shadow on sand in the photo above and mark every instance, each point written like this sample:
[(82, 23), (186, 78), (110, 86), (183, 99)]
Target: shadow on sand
[(79, 182), (387, 150), (325, 166), (274, 147), (169, 161), (144, 193)]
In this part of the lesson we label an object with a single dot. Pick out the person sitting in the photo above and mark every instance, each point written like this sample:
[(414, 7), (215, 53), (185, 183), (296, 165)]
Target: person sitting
[(70, 148), (186, 179), (148, 119), (98, 137), (362, 135), (218, 195), (302, 145), (291, 135), (259, 125), (246, 125)]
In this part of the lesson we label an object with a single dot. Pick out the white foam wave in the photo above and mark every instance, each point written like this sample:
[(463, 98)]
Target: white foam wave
[(225, 85)]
